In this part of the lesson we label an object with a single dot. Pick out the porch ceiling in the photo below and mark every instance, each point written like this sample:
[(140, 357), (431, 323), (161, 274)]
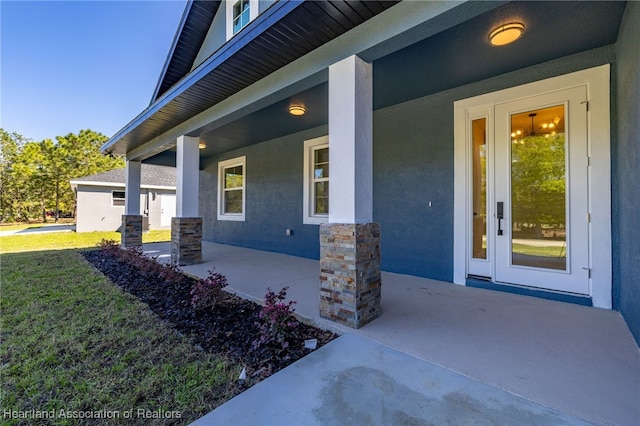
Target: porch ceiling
[(459, 55), (463, 54)]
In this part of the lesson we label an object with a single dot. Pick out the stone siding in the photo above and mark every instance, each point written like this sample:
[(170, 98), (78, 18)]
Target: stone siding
[(131, 234), (186, 240), (350, 285)]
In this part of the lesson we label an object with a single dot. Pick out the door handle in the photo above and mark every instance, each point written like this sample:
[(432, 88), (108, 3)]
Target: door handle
[(500, 215)]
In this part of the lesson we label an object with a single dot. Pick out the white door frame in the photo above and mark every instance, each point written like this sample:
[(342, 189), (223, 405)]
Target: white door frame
[(596, 81)]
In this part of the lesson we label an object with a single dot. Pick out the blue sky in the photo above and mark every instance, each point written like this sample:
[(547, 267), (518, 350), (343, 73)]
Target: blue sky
[(72, 65)]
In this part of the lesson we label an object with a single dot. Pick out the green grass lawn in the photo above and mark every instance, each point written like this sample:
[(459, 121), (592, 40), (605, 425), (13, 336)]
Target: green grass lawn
[(545, 251), (72, 341), (64, 240)]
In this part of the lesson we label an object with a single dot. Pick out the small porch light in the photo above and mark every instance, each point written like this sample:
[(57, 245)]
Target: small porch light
[(297, 110), (202, 145), (505, 34)]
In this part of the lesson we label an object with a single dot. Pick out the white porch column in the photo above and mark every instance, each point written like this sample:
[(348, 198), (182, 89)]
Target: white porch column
[(132, 188), (131, 231), (187, 176), (186, 227), (351, 141), (350, 286)]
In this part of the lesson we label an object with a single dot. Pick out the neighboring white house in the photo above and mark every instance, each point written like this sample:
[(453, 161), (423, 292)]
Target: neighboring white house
[(101, 198)]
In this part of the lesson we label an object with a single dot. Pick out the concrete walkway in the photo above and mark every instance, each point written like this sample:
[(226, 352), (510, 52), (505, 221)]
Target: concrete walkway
[(575, 360), (40, 229), (354, 381)]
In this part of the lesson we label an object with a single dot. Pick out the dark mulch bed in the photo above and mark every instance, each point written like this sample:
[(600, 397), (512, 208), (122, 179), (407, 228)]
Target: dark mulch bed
[(228, 329)]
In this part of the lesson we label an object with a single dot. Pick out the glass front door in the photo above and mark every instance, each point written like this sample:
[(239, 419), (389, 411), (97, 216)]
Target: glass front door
[(542, 225)]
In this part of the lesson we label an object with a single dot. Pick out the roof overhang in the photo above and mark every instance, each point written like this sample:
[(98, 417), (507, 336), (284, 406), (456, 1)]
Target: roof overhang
[(283, 33), (75, 183), (192, 31), (424, 48)]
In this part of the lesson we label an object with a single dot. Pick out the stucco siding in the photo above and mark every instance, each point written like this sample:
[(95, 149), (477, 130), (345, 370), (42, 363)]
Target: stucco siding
[(413, 166), (626, 158), (266, 4), (216, 37), (96, 212), (274, 179)]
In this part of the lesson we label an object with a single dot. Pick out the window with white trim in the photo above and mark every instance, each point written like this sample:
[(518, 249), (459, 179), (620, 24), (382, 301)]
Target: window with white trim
[(231, 189), (316, 181), (239, 14), (117, 198)]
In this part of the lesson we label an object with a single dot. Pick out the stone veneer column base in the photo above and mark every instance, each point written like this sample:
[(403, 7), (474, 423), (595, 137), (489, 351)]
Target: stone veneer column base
[(350, 285), (131, 234), (186, 240)]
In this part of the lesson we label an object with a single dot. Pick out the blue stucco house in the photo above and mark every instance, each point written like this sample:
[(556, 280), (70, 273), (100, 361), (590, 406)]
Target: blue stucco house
[(491, 144)]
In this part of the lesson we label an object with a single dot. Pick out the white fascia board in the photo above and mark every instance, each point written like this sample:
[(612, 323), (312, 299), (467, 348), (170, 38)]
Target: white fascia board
[(97, 183), (120, 185)]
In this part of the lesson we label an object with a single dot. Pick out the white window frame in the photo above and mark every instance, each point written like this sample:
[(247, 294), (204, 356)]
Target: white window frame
[(222, 166), (113, 199), (253, 14), (309, 217)]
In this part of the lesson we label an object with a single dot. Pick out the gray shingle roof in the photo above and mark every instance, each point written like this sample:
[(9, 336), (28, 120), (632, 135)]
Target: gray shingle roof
[(150, 175)]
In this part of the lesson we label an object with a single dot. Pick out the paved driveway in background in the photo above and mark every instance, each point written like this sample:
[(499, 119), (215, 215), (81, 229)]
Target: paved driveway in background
[(40, 229)]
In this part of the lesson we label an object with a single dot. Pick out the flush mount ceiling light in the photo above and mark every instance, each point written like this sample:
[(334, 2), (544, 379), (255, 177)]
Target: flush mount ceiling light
[(202, 145), (505, 34), (297, 110)]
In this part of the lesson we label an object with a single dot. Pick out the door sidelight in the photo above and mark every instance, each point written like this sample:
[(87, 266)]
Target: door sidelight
[(500, 216)]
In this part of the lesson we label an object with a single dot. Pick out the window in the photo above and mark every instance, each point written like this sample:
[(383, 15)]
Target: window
[(320, 178), (117, 198), (239, 14), (231, 189), (316, 180)]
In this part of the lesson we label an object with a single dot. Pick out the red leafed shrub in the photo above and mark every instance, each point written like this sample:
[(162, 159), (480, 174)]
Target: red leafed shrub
[(109, 248), (278, 328), (206, 293), (146, 266), (170, 272)]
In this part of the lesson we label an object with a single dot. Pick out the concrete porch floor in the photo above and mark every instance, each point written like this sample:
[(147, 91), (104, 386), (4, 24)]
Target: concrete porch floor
[(578, 360)]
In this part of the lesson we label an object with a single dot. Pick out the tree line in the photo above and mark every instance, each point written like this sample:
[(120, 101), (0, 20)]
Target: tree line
[(34, 176), (538, 183)]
